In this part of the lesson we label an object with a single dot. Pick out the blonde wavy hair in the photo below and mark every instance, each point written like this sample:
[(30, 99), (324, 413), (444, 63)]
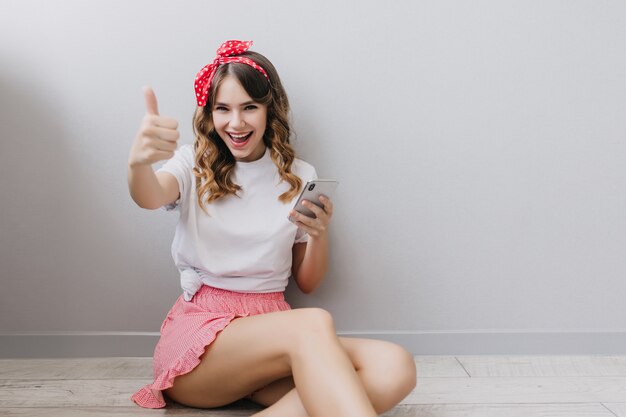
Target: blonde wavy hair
[(214, 162)]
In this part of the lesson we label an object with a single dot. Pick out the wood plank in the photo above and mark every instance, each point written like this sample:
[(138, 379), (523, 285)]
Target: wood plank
[(111, 368), (496, 390), (132, 411), (619, 409), (117, 392), (433, 410), (69, 393), (525, 366), (500, 410), (431, 366), (79, 368), (428, 366)]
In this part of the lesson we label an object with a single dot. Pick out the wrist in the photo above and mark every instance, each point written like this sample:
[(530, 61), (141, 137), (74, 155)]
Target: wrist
[(136, 164), (322, 236)]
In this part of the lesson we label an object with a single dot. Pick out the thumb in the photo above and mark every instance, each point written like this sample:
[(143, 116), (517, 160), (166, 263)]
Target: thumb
[(151, 100)]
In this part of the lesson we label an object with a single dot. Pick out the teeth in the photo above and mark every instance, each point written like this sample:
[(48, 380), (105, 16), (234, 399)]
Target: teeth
[(238, 137)]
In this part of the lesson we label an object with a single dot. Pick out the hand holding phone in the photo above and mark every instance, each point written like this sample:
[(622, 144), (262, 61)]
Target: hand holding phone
[(312, 192)]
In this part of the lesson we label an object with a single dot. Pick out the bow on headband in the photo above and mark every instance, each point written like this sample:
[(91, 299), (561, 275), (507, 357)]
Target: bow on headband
[(225, 54)]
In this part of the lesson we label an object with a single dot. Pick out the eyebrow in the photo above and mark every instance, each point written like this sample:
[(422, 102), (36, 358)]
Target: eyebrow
[(242, 104)]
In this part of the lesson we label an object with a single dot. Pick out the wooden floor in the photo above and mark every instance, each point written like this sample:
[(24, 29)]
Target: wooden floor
[(447, 386)]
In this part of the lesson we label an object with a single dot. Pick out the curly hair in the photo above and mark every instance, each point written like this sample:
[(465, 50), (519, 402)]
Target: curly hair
[(214, 162)]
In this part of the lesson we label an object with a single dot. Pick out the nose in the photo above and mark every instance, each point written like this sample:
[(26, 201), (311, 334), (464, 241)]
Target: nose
[(237, 121)]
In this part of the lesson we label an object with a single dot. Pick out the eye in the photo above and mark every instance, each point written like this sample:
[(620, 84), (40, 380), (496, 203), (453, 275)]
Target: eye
[(251, 106), (220, 108)]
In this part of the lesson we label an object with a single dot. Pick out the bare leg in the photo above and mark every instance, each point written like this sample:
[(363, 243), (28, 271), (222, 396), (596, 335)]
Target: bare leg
[(327, 382), (386, 370), (300, 342), (290, 405)]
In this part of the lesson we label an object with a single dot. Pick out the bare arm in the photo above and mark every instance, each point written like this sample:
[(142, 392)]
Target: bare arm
[(150, 190), (310, 260), (310, 263), (155, 141)]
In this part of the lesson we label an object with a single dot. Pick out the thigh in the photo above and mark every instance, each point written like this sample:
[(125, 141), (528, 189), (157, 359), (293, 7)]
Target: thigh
[(371, 354), (249, 353), (377, 357)]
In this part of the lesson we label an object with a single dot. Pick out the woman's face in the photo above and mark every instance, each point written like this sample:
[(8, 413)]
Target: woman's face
[(239, 121)]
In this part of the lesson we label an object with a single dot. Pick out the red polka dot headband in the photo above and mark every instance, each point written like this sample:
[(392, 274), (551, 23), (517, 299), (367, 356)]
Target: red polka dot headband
[(226, 53)]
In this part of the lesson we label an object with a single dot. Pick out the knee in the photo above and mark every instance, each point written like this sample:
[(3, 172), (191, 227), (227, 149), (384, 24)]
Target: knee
[(316, 320), (397, 376), (409, 370), (313, 324), (403, 366)]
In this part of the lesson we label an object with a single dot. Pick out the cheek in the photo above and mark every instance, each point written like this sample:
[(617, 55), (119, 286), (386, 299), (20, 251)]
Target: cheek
[(261, 119), (261, 123), (219, 122)]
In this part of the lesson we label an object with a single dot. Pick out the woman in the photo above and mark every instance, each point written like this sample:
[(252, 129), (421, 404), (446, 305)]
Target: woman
[(231, 334)]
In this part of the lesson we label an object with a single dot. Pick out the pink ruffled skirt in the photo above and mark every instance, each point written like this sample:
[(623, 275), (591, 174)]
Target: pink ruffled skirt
[(191, 326)]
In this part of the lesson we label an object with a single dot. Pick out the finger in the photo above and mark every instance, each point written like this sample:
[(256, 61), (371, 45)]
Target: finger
[(167, 134), (151, 100), (164, 145), (166, 122), (328, 205), (313, 227), (301, 218), (161, 121), (317, 210), (161, 133), (311, 231), (305, 227), (162, 155)]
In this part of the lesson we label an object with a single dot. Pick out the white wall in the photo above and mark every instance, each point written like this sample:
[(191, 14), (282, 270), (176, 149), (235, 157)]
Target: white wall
[(480, 147)]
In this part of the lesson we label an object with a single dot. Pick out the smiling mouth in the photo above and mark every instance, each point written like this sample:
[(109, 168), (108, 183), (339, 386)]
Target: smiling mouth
[(239, 140)]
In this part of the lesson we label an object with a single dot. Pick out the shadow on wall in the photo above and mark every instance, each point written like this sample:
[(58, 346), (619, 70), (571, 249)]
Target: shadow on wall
[(65, 258)]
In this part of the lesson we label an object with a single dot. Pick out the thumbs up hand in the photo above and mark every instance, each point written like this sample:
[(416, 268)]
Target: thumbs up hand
[(157, 136)]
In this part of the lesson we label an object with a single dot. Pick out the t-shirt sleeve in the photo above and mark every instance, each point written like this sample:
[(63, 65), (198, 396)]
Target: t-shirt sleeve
[(180, 166), (301, 235)]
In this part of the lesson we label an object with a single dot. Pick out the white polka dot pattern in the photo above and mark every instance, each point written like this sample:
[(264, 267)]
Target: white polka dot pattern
[(226, 53)]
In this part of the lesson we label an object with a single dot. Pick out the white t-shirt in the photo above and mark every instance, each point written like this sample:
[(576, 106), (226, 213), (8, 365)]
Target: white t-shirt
[(245, 242)]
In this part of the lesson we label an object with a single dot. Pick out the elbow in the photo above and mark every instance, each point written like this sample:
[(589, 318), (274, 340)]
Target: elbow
[(152, 206), (308, 286), (146, 206), (306, 290)]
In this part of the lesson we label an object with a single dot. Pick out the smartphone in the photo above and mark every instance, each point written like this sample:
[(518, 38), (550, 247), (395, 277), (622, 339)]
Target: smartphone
[(312, 192)]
